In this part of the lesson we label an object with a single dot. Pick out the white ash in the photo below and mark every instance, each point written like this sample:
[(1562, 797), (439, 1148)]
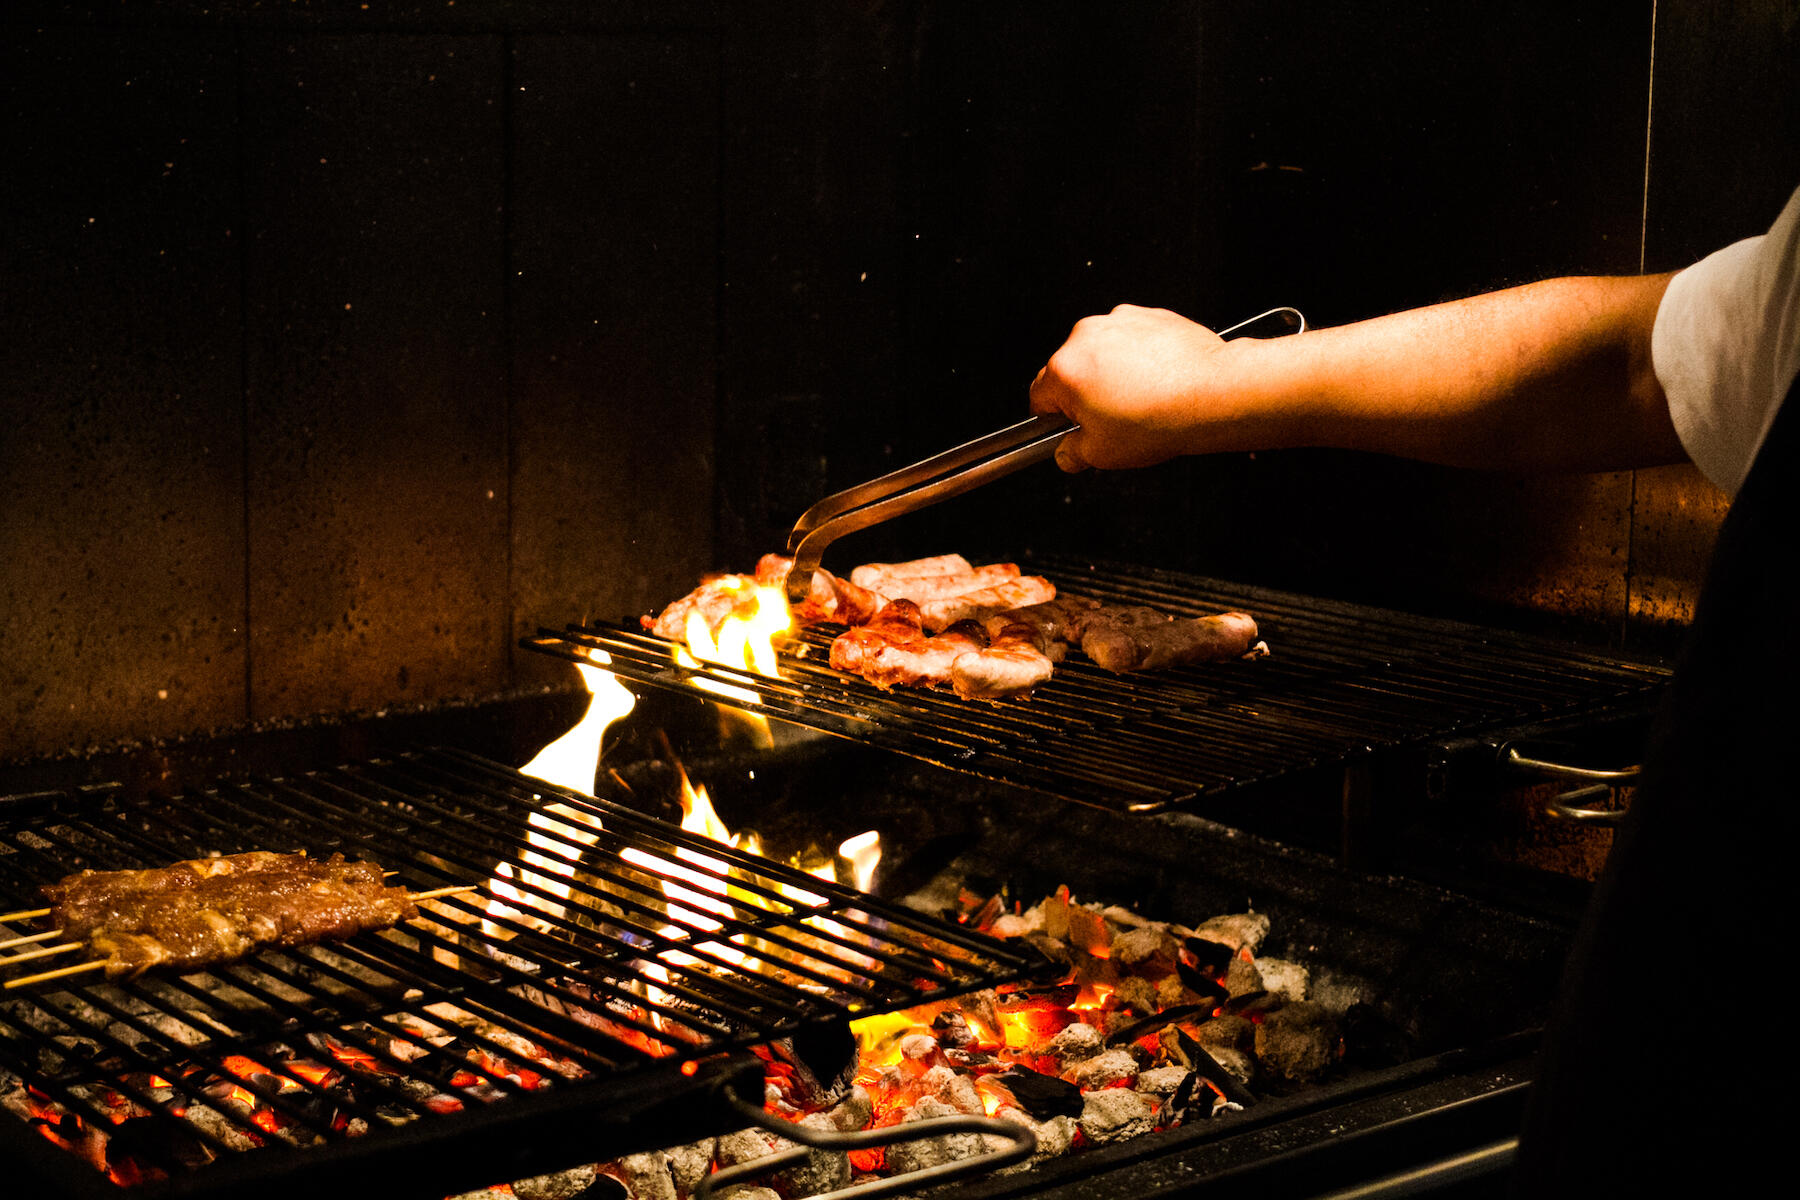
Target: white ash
[(747, 1145), (689, 1164), (557, 1185), (920, 1047), (645, 1177), (1143, 945), (1297, 1042), (1102, 1069), (1137, 994), (1115, 1114), (903, 1157), (747, 1191), (1161, 1082), (820, 1172), (1009, 925), (1239, 1065), (1338, 993), (1242, 977), (1237, 930), (954, 1088), (1055, 1135), (210, 1120), (1236, 1033), (1285, 977), (854, 1111), (1076, 1042)]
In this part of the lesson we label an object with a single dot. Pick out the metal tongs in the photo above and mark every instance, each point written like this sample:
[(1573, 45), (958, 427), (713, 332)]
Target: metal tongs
[(951, 473)]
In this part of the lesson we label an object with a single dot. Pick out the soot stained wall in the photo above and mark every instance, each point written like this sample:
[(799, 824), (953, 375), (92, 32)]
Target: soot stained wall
[(346, 347)]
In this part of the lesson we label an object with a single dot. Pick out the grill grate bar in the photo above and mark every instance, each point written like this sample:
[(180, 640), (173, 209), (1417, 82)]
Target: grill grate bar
[(613, 978), (1343, 681)]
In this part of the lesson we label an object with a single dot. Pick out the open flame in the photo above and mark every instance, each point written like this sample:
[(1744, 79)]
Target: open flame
[(745, 642), (570, 761)]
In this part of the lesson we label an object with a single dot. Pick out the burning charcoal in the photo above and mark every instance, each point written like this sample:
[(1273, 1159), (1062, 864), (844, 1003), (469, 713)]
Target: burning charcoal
[(211, 1120), (558, 1185), (1171, 992), (1088, 931), (1230, 1031), (1055, 914), (1161, 1082), (1040, 1096), (1053, 949), (1240, 931), (1191, 1053), (917, 1155), (1137, 994), (920, 1052), (973, 1061), (1252, 1004), (747, 1191), (645, 1176), (1076, 1042), (1298, 1042), (1284, 977), (1012, 925), (854, 1111), (1243, 977), (1102, 1069), (1055, 1135), (953, 1088), (951, 1028), (1209, 991), (1235, 1063), (823, 1063), (822, 1171), (1114, 1114), (1149, 949)]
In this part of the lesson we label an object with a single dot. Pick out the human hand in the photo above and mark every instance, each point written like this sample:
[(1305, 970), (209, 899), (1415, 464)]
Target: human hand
[(1134, 380)]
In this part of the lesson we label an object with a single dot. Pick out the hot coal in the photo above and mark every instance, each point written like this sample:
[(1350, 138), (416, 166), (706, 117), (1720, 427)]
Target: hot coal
[(1040, 1095)]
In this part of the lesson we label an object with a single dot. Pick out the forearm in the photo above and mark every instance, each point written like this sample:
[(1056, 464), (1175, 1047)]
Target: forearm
[(1554, 375)]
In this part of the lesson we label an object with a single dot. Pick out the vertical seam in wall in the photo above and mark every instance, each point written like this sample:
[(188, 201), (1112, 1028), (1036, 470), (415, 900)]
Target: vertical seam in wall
[(1643, 263), (721, 64), (241, 52), (508, 352)]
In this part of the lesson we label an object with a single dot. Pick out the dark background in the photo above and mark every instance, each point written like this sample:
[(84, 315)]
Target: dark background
[(346, 343)]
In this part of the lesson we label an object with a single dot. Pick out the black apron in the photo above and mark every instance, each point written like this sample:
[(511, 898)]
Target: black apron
[(1671, 1060)]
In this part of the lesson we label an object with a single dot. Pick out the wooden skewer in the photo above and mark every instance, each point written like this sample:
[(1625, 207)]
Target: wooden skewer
[(445, 891), (41, 952), (61, 972), (45, 936), (42, 976), (24, 914)]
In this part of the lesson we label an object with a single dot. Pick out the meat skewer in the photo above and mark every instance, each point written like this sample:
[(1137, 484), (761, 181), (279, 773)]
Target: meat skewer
[(204, 912)]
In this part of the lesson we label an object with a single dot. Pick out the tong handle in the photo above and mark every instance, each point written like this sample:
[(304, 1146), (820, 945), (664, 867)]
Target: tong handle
[(951, 473)]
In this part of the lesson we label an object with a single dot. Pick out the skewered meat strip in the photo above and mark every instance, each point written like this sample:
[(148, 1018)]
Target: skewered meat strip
[(177, 917)]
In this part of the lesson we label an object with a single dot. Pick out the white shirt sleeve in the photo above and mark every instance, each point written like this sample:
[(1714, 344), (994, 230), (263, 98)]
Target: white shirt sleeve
[(1726, 347)]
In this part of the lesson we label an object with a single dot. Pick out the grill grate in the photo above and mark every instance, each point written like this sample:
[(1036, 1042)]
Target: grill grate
[(1343, 681), (639, 995)]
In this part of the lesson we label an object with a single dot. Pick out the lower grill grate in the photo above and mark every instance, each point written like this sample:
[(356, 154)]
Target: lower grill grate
[(1342, 681), (634, 959)]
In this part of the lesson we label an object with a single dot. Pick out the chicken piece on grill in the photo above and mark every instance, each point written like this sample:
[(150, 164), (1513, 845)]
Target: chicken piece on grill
[(980, 605), (829, 599), (210, 911), (893, 650), (1011, 664)]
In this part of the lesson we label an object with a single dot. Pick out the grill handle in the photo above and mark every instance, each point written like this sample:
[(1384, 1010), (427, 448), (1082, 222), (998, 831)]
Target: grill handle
[(1595, 781), (1023, 1145)]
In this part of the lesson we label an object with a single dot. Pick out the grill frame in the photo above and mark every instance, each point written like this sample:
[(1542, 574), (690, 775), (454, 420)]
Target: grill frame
[(1344, 683), (608, 1113)]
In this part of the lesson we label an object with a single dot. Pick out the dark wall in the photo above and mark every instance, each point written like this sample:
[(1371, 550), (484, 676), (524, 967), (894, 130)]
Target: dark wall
[(346, 344)]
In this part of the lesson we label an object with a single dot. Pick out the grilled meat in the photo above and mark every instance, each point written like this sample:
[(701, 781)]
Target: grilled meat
[(1134, 641), (209, 911), (1013, 662), (980, 605), (876, 576)]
